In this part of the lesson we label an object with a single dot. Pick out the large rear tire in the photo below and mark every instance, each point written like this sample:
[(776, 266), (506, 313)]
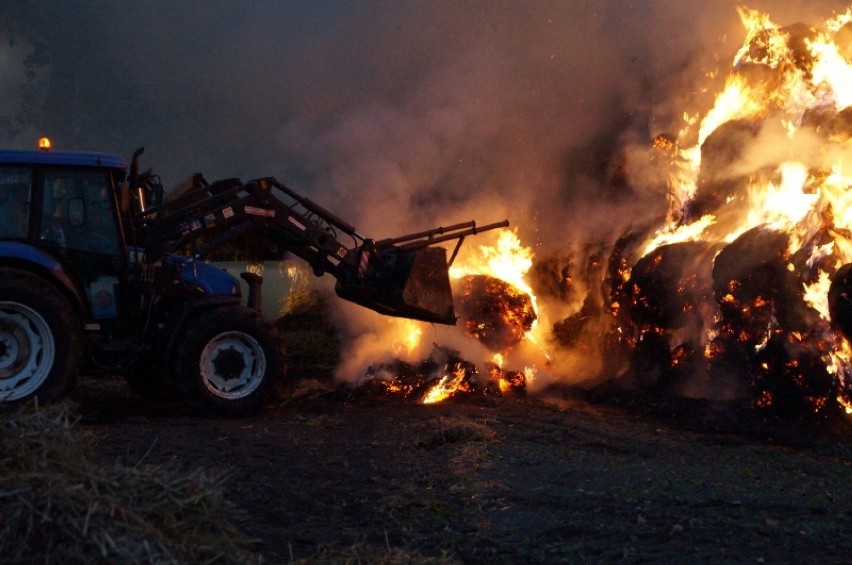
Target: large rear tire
[(40, 339), (229, 362)]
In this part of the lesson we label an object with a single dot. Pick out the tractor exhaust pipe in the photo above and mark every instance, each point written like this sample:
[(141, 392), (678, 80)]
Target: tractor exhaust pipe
[(254, 295)]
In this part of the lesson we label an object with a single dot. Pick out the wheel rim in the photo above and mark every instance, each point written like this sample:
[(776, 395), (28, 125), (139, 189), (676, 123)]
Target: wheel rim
[(232, 365), (27, 350)]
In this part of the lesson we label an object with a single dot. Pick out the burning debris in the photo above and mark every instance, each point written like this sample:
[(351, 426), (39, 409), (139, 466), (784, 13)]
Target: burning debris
[(493, 311), (442, 376)]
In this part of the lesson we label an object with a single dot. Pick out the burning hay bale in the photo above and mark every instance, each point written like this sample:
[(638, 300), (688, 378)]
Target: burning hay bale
[(790, 379), (840, 300), (747, 275), (494, 312), (764, 44), (718, 190), (674, 286), (669, 286), (60, 506), (756, 292), (755, 287)]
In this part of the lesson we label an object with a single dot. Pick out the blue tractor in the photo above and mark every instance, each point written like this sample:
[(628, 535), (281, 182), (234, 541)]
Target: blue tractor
[(100, 271)]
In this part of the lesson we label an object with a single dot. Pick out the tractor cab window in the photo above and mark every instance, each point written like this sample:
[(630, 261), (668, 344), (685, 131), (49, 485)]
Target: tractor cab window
[(77, 212), (15, 184)]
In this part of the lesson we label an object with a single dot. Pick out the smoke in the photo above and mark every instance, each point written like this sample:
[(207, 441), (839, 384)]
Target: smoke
[(399, 116)]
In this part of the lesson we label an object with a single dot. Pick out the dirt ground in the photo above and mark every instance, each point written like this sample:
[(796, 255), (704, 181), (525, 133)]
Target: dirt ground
[(335, 475)]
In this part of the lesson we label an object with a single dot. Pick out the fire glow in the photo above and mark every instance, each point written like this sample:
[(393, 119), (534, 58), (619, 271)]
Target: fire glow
[(745, 291)]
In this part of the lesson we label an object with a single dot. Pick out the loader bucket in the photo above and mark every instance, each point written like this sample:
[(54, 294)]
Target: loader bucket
[(416, 285)]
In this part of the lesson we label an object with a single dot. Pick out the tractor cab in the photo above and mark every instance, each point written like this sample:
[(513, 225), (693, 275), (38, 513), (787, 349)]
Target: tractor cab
[(60, 206)]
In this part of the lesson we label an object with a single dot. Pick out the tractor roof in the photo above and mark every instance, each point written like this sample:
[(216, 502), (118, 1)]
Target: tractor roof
[(71, 158)]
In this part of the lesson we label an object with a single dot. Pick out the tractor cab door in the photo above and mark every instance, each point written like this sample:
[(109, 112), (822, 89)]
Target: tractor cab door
[(15, 189), (78, 220)]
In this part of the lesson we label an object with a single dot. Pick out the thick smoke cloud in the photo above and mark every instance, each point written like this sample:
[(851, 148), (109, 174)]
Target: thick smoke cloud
[(397, 115), (413, 101), (197, 76)]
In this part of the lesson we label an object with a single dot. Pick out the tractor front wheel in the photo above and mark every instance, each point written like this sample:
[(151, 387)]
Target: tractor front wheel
[(40, 339), (229, 362)]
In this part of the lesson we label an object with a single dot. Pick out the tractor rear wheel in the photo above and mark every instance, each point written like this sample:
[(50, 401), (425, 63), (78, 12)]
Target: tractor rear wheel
[(40, 339), (229, 362)]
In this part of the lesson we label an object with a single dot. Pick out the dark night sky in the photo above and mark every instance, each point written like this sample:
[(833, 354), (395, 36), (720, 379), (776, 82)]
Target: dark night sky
[(455, 110)]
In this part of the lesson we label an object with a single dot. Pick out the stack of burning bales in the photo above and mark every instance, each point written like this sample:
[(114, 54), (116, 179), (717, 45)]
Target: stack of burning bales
[(727, 314), (730, 300)]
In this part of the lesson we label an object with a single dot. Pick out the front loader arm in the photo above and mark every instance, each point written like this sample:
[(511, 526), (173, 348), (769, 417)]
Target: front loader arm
[(209, 216), (406, 276)]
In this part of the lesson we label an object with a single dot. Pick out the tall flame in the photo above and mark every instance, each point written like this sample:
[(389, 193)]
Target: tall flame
[(507, 260)]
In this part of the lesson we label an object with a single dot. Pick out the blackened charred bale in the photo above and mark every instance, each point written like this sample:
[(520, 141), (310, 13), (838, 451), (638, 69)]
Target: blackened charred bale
[(720, 152), (752, 283), (840, 300), (669, 286), (746, 273), (728, 172), (831, 126), (761, 66), (800, 36), (791, 381)]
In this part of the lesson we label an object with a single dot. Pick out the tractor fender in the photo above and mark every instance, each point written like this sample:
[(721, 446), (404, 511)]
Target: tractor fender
[(186, 310), (30, 258)]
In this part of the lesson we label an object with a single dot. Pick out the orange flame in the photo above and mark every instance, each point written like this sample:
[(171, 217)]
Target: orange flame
[(447, 386)]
